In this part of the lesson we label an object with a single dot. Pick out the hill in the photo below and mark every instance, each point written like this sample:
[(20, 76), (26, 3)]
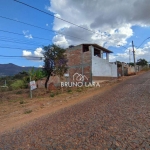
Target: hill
[(12, 69)]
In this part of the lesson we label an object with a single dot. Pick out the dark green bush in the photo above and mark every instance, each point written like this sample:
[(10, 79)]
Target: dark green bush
[(52, 95), (18, 84), (27, 111)]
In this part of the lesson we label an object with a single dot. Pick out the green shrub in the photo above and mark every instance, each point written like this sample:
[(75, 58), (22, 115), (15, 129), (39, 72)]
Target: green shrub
[(52, 95), (3, 89), (19, 92), (18, 84), (27, 111), (57, 92), (21, 102), (69, 91), (79, 89)]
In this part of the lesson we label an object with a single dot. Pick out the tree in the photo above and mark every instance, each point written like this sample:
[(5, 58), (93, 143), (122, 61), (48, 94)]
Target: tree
[(141, 62), (131, 64), (36, 74), (119, 64), (55, 61), (20, 75)]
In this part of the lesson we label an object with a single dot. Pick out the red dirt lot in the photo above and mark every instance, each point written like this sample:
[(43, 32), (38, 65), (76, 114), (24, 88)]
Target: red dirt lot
[(113, 117)]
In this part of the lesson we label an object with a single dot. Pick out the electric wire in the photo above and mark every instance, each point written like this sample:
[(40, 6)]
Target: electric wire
[(24, 35), (142, 42), (42, 28), (21, 56), (16, 48), (18, 42), (55, 16)]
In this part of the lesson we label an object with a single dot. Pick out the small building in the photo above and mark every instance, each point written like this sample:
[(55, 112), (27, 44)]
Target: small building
[(90, 60)]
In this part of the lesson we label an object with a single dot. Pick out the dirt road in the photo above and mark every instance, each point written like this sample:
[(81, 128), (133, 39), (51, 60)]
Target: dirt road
[(116, 119)]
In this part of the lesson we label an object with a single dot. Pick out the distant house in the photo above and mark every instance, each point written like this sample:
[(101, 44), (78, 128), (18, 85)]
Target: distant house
[(90, 60)]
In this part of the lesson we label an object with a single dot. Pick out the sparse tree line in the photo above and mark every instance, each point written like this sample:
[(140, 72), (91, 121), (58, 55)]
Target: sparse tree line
[(140, 62), (55, 63), (21, 80)]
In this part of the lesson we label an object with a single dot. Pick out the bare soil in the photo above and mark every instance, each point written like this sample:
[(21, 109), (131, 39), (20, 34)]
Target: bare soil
[(17, 109)]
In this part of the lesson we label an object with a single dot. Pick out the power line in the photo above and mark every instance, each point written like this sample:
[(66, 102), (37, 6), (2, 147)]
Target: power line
[(143, 42), (16, 48), (18, 42), (9, 58), (22, 34), (41, 27), (21, 56), (7, 39), (55, 16), (18, 57)]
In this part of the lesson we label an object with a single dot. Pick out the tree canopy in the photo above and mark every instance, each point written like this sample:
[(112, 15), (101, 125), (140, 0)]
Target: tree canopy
[(131, 64), (141, 62), (55, 61)]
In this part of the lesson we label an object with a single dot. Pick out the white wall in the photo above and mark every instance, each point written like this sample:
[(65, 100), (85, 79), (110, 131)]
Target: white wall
[(102, 67)]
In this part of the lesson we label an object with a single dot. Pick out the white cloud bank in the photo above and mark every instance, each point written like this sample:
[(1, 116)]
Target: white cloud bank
[(111, 21), (36, 55), (127, 56)]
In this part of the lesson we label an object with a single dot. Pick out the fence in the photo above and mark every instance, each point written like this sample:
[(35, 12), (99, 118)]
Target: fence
[(3, 83)]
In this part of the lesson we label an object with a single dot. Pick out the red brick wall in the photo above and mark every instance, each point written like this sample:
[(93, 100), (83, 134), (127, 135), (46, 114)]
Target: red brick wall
[(77, 59)]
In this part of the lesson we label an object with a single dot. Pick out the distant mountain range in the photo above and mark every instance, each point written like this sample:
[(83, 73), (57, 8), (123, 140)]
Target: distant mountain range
[(12, 69)]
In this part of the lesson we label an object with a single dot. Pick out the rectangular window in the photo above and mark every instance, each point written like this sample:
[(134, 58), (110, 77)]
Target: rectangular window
[(85, 48), (97, 52)]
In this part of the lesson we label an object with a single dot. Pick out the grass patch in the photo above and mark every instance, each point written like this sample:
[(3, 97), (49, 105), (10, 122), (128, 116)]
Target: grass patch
[(52, 94), (3, 89), (19, 92), (145, 69), (27, 111), (69, 91), (79, 89), (14, 101), (57, 93), (1, 102), (21, 102)]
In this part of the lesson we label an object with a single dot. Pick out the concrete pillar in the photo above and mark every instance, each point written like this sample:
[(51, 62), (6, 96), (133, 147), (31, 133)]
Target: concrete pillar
[(91, 48), (101, 54), (107, 56)]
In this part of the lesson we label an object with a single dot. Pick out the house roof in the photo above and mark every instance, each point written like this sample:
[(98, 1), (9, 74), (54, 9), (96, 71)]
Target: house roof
[(99, 47)]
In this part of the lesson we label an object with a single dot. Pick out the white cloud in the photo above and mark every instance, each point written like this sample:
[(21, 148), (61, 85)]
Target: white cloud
[(36, 55), (27, 35), (111, 39), (112, 20), (38, 52), (61, 41), (27, 53), (40, 66), (139, 53)]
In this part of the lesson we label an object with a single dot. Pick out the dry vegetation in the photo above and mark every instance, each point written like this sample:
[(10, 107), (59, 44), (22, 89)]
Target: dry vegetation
[(16, 107)]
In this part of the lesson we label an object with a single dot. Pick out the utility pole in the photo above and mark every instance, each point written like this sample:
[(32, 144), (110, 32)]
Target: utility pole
[(129, 56), (30, 89), (122, 65), (134, 57)]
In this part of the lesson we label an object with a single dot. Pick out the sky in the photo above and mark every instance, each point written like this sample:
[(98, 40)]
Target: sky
[(109, 23)]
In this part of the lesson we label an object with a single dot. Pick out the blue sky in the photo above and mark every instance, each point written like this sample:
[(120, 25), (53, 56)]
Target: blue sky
[(118, 20), (14, 10)]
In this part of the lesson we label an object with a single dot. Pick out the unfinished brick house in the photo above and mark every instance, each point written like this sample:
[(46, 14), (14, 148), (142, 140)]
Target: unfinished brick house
[(90, 60)]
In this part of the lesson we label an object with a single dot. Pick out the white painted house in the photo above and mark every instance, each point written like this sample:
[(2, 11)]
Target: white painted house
[(90, 60)]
